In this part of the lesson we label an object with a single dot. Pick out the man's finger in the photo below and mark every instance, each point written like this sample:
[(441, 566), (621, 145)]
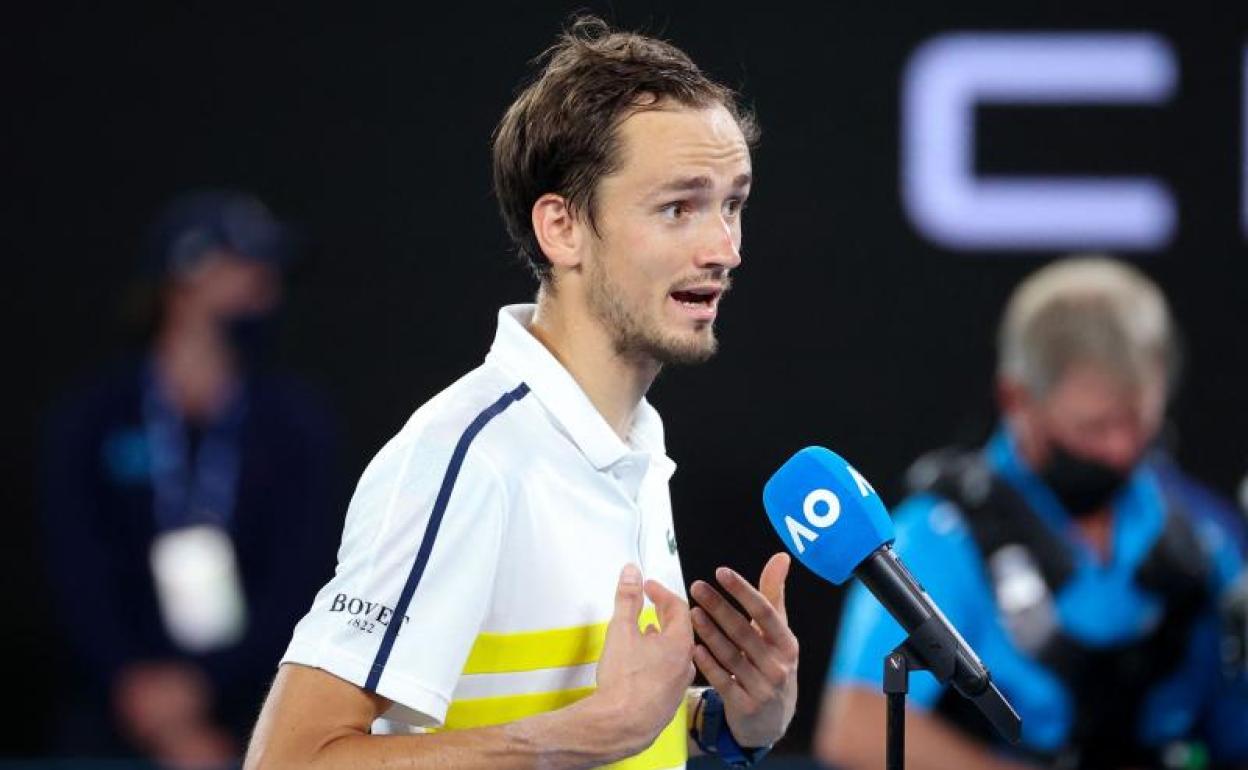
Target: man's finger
[(628, 601), (716, 675), (748, 672), (761, 610), (735, 625), (672, 610)]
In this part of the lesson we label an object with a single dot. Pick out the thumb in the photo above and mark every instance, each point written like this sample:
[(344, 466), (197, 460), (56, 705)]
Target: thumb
[(628, 601), (771, 582)]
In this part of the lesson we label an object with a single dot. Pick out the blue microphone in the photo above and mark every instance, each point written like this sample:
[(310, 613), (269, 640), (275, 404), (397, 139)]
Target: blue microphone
[(827, 514), (831, 519)]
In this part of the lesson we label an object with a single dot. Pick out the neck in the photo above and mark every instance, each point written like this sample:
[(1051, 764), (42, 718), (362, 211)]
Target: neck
[(615, 383), (195, 366), (1097, 531)]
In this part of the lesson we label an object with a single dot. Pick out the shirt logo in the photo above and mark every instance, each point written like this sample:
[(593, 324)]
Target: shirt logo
[(671, 542), (364, 615)]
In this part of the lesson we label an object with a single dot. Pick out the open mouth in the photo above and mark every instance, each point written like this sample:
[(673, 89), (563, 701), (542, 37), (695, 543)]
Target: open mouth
[(697, 297), (698, 303)]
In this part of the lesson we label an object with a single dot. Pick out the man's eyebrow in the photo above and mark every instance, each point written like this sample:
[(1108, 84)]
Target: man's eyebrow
[(698, 183)]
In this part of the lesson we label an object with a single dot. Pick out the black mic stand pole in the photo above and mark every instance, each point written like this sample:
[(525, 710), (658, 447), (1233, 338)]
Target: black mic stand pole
[(897, 665)]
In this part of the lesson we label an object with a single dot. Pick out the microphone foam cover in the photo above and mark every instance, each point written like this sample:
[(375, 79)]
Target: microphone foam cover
[(829, 517)]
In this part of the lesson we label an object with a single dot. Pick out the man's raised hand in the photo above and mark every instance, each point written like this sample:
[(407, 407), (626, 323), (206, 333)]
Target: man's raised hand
[(643, 675), (751, 662)]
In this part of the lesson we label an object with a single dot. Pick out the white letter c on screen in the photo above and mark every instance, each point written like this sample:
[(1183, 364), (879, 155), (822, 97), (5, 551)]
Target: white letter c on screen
[(949, 75)]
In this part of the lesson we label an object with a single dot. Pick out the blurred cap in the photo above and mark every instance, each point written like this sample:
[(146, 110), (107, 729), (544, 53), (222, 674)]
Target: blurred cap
[(202, 221)]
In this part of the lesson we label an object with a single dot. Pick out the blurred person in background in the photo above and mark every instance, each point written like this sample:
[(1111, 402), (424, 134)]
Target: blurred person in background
[(1088, 586), (188, 501)]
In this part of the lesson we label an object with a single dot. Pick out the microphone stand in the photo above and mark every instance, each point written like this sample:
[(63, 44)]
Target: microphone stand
[(929, 648), (932, 645), (897, 665)]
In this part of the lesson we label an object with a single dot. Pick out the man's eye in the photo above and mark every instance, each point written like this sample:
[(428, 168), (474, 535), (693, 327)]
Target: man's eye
[(734, 206), (675, 210)]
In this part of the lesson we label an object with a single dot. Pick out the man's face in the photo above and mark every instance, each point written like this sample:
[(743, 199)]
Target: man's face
[(224, 285), (669, 232), (1096, 416)]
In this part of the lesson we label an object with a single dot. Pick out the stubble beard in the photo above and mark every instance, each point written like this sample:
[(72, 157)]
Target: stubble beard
[(636, 337)]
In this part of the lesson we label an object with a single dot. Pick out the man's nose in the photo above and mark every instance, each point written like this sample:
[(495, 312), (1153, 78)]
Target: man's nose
[(720, 246), (1122, 446)]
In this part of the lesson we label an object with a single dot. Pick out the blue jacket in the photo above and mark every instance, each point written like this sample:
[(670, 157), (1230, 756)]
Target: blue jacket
[(1099, 606)]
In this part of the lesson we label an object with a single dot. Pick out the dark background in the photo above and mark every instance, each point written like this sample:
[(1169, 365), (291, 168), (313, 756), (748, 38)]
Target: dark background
[(368, 126)]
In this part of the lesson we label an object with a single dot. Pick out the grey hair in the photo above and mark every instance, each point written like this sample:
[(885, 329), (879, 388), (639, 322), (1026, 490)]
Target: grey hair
[(1086, 309)]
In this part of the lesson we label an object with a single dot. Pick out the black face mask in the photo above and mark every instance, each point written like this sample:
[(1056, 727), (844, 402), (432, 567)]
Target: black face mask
[(250, 337), (1083, 486)]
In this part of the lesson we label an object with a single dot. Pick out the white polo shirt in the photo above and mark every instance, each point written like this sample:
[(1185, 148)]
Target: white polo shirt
[(482, 547)]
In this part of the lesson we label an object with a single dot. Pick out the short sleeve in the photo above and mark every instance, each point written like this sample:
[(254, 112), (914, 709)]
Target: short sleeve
[(933, 542), (414, 579)]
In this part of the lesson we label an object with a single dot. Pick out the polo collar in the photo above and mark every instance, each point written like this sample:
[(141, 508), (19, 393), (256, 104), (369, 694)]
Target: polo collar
[(520, 353)]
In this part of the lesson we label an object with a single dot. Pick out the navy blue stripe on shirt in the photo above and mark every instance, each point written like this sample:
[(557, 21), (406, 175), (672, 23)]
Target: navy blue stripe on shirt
[(435, 521)]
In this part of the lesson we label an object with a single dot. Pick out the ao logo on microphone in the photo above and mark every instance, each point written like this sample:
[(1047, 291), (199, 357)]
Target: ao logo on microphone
[(821, 509)]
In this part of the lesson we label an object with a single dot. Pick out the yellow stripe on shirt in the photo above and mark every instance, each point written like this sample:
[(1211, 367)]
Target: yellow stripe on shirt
[(501, 653), (495, 653)]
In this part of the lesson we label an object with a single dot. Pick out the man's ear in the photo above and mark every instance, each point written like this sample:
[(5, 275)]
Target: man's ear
[(1019, 409), (1011, 396), (558, 232), (1018, 405)]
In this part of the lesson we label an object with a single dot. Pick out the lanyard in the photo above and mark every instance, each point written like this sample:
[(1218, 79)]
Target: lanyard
[(205, 493)]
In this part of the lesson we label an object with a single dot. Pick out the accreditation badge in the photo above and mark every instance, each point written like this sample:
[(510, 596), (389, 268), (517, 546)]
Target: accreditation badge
[(199, 588)]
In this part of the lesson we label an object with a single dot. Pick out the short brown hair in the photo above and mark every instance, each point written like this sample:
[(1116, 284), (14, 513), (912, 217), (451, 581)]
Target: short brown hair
[(559, 135)]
